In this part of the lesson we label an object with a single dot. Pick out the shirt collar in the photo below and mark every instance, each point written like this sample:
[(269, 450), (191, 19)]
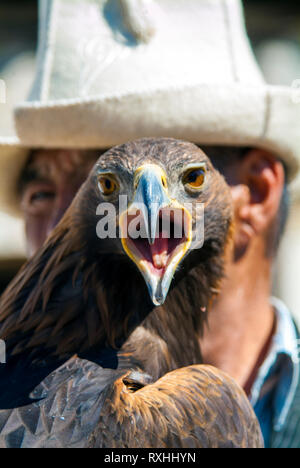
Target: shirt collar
[(284, 342)]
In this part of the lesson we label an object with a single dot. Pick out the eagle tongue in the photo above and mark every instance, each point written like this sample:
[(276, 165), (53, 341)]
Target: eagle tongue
[(159, 252)]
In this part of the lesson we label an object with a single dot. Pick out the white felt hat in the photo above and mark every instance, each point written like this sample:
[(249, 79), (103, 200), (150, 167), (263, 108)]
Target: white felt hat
[(114, 70)]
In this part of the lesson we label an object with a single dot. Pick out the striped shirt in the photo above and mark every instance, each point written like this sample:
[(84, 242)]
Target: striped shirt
[(276, 384)]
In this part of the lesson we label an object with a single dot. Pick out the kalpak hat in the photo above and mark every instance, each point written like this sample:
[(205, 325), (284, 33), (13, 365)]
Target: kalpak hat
[(109, 71)]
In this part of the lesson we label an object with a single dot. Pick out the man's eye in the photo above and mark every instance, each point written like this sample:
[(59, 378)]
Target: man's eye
[(38, 198), (41, 196)]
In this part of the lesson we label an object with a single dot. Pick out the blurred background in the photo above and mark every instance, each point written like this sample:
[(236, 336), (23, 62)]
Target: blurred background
[(274, 30)]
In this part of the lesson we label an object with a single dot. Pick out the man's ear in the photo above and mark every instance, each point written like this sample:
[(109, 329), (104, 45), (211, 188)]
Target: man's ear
[(260, 180)]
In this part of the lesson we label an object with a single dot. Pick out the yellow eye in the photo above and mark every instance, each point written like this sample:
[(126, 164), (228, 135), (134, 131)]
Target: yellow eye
[(195, 178), (107, 184)]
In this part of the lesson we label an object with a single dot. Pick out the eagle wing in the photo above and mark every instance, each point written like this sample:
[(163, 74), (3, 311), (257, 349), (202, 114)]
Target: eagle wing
[(84, 405), (64, 409), (192, 407)]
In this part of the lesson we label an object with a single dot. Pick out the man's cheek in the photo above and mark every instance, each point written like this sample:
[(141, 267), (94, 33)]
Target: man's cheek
[(37, 229)]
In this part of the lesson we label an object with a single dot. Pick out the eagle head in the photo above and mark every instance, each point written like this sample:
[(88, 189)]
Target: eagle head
[(156, 201)]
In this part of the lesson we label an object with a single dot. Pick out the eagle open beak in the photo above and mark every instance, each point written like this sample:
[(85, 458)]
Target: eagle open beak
[(156, 231)]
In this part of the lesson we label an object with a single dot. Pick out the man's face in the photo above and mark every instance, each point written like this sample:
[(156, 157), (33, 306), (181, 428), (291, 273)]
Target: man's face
[(49, 183), (52, 178)]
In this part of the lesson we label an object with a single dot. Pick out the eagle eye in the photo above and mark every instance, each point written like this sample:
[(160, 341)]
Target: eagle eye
[(194, 178), (107, 184)]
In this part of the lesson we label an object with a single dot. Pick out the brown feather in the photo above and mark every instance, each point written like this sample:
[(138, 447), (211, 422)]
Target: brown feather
[(81, 297), (187, 403)]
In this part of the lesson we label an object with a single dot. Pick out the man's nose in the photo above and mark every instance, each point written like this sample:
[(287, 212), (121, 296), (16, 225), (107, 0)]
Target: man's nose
[(63, 200)]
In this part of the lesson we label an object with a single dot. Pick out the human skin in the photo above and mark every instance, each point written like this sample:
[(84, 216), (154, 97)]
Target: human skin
[(54, 177), (242, 318)]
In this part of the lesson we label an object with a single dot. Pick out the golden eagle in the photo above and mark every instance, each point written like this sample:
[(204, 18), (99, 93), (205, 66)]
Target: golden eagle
[(102, 343)]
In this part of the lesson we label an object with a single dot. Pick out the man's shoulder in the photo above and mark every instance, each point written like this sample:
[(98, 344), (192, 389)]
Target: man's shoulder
[(288, 435), (296, 328)]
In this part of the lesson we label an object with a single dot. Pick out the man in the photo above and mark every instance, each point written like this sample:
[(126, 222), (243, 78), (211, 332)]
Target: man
[(112, 75), (248, 336), (47, 186)]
